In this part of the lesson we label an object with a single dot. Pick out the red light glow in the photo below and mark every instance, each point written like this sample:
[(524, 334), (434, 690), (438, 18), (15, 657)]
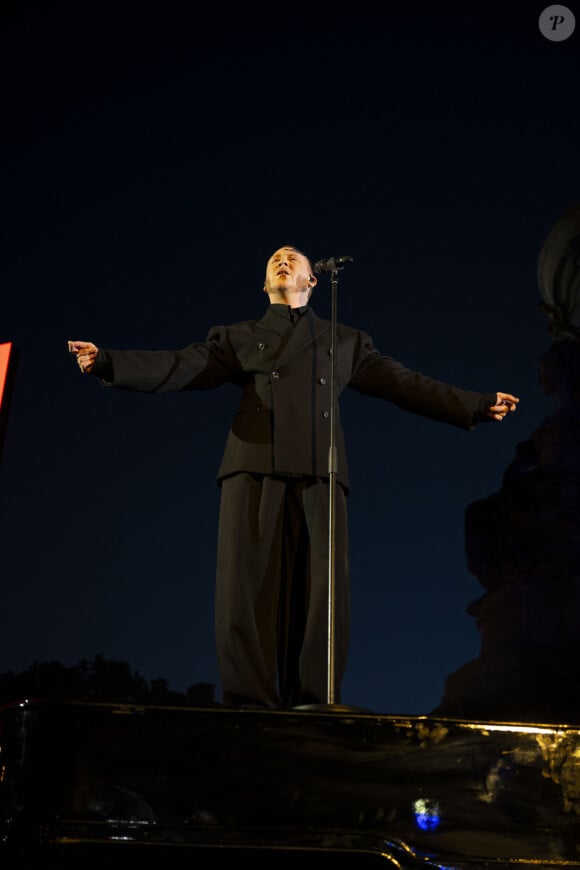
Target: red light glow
[(4, 358)]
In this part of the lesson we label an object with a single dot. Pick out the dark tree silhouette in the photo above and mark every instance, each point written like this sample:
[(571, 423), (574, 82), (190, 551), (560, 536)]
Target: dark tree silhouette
[(99, 680)]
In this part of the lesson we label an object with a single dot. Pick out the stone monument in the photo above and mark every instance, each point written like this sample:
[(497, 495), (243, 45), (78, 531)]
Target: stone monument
[(523, 542)]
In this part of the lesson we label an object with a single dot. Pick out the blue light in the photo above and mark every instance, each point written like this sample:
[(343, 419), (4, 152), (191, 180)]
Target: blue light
[(426, 814)]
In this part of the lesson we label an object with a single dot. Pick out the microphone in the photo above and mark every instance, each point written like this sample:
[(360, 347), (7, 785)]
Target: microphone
[(331, 265)]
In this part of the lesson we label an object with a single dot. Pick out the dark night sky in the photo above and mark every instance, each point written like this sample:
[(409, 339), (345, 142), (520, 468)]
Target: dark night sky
[(154, 155)]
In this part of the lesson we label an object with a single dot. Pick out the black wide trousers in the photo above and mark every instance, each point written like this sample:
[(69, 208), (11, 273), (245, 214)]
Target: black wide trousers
[(272, 582)]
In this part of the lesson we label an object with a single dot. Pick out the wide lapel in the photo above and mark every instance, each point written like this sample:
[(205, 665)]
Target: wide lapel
[(272, 322), (307, 331)]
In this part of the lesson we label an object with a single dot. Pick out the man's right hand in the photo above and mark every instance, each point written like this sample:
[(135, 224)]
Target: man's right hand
[(85, 352)]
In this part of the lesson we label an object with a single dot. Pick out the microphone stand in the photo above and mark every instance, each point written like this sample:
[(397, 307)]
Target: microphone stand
[(332, 472), (333, 266)]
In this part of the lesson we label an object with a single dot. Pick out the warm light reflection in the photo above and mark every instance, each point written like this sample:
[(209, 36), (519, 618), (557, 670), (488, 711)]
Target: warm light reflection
[(516, 729)]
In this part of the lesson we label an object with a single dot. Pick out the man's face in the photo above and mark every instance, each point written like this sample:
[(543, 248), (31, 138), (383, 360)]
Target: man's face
[(287, 271)]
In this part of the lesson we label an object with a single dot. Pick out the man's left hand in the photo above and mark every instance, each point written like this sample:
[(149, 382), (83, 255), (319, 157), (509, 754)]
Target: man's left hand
[(504, 402)]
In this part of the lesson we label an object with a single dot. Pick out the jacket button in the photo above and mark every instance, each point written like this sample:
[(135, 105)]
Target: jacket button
[(325, 414), (329, 351), (259, 408), (261, 345), (276, 375), (322, 381)]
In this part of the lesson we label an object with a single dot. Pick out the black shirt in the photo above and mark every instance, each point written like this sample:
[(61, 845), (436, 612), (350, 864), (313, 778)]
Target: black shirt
[(292, 314)]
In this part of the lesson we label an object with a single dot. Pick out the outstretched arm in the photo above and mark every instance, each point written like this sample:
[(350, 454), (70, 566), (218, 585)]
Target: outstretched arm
[(199, 366), (386, 378)]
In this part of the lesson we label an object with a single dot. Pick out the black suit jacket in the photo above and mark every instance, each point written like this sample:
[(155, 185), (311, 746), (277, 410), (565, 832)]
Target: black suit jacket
[(282, 424)]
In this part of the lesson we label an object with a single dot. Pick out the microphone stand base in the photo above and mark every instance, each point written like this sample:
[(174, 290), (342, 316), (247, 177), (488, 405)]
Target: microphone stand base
[(337, 709)]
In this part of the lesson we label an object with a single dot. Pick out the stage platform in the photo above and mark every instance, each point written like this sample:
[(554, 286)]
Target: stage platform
[(89, 785)]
